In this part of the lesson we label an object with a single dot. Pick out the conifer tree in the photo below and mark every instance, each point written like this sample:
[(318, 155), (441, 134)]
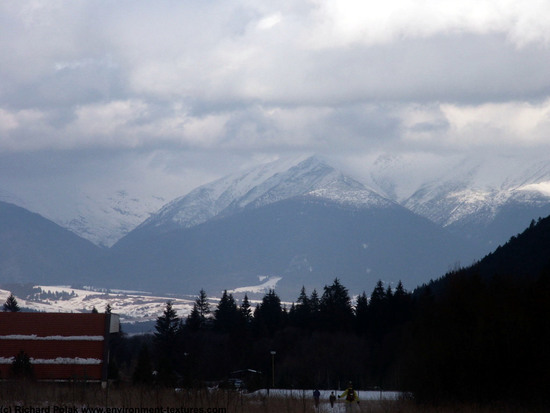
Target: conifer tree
[(246, 311), (194, 320), (11, 304), (226, 314), (361, 313), (167, 325), (335, 307), (21, 367), (314, 301), (168, 329), (301, 313), (269, 316), (203, 306)]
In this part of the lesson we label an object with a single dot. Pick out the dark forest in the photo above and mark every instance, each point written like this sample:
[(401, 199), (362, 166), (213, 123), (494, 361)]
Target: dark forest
[(478, 334)]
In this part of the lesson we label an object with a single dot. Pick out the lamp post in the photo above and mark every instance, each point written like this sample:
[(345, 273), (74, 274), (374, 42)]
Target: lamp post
[(273, 368), (187, 377)]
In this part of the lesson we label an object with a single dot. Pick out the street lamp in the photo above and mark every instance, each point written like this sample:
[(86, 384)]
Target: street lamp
[(273, 368)]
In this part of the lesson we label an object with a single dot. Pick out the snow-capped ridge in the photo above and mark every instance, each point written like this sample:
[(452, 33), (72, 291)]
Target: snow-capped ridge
[(264, 185)]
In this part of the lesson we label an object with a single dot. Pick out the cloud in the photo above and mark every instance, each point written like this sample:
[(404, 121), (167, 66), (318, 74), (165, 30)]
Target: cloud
[(253, 79), (351, 21)]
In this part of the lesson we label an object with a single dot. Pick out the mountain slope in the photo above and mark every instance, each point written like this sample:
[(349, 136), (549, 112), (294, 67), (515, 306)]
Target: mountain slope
[(486, 200), (257, 187), (34, 249), (524, 255), (305, 224), (304, 241)]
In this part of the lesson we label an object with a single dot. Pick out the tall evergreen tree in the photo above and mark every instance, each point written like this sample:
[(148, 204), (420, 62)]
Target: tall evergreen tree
[(11, 304), (378, 295), (314, 302), (246, 311), (167, 325), (378, 315), (361, 313), (335, 307), (194, 320), (226, 314), (202, 304), (21, 367), (269, 316), (168, 329), (300, 314)]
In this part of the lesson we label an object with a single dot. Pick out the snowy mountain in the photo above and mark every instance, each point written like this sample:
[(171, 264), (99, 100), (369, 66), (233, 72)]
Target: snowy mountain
[(263, 185), (285, 224), (487, 200), (301, 223), (100, 217)]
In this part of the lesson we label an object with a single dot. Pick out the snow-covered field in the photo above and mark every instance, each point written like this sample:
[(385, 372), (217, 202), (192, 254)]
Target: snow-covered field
[(132, 306), (324, 404)]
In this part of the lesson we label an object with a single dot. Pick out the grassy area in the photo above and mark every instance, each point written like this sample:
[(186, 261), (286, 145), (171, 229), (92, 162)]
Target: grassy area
[(31, 397)]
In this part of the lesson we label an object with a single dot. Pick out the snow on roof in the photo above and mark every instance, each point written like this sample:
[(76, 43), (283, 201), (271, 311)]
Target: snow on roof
[(48, 338), (57, 360)]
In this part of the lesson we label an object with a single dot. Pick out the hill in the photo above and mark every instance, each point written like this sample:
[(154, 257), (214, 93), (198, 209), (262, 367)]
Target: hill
[(34, 249)]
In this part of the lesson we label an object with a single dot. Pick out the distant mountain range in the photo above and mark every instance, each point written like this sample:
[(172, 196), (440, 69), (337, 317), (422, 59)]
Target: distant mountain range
[(485, 200), (287, 224)]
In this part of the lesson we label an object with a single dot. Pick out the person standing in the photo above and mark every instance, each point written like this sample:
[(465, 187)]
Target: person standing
[(332, 399), (351, 397), (316, 396)]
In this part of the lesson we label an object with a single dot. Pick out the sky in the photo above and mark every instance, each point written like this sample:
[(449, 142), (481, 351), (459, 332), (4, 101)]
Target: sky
[(157, 97)]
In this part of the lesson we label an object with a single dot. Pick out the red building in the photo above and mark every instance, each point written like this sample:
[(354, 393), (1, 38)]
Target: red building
[(60, 346)]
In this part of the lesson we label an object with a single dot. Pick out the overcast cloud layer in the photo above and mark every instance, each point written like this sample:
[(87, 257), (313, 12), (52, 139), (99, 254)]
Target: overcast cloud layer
[(163, 96)]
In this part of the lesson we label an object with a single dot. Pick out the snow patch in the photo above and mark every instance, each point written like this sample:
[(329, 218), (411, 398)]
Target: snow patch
[(52, 338), (269, 284), (58, 360), (542, 187)]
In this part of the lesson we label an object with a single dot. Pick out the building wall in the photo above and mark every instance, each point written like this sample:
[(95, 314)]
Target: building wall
[(61, 346)]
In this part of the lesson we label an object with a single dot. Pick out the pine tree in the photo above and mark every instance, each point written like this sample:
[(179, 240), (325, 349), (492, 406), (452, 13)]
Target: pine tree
[(269, 316), (167, 325), (167, 336), (21, 367), (246, 311), (11, 304), (361, 313), (378, 314), (335, 308), (314, 301), (226, 314), (194, 320), (301, 314), (378, 295), (202, 305)]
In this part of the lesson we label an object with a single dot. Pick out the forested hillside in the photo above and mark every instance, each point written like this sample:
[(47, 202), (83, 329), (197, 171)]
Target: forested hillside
[(478, 334)]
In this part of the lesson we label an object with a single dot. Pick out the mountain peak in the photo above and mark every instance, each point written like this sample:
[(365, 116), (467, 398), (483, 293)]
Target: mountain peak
[(265, 184)]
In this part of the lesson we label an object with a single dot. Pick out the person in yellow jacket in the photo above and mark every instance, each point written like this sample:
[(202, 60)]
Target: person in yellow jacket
[(350, 396)]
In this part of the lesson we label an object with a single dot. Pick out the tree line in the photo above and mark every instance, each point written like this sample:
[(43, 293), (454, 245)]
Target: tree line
[(461, 338)]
